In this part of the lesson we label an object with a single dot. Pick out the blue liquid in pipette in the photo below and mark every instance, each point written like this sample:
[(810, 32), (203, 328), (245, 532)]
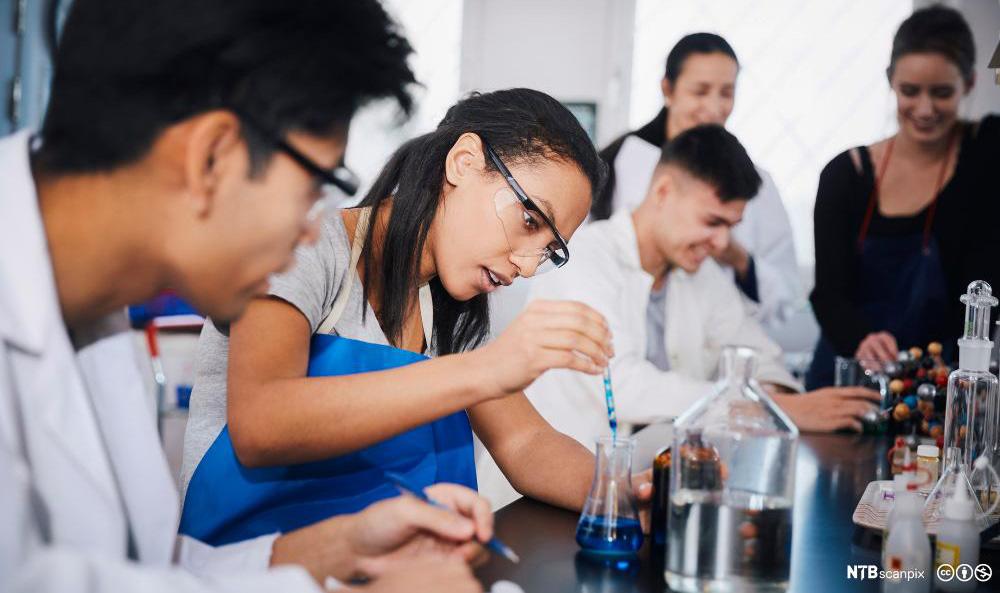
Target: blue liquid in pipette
[(601, 536), (609, 399)]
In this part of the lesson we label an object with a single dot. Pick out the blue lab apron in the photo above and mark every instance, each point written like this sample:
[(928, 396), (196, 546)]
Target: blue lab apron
[(227, 502), (901, 288)]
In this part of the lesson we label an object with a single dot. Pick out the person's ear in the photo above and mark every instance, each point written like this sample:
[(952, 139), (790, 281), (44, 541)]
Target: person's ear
[(465, 160), (970, 83), (214, 148), (668, 91), (662, 186)]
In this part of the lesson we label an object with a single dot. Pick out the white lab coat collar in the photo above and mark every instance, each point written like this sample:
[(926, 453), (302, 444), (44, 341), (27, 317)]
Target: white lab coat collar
[(106, 387), (32, 321), (24, 318), (625, 243), (680, 328)]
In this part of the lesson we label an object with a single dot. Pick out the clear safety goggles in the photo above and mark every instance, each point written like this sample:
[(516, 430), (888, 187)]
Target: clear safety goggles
[(329, 181), (528, 237), (530, 234)]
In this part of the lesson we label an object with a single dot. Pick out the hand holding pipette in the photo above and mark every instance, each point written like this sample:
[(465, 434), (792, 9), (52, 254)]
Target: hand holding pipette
[(545, 335), (404, 485)]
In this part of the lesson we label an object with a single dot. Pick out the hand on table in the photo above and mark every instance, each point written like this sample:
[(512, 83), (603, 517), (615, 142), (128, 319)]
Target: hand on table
[(642, 485), (405, 527), (390, 533), (879, 346), (546, 335), (829, 409)]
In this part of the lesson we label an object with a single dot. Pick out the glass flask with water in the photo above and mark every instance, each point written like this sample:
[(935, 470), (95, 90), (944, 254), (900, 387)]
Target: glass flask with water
[(732, 487), (609, 524)]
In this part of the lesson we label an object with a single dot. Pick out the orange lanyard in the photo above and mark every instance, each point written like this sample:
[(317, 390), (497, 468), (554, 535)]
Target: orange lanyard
[(873, 199)]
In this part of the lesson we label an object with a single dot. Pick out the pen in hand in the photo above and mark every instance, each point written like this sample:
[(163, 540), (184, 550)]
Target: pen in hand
[(494, 545)]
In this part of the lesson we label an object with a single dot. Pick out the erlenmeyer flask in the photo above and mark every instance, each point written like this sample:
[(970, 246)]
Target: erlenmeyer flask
[(609, 523), (954, 474), (986, 483)]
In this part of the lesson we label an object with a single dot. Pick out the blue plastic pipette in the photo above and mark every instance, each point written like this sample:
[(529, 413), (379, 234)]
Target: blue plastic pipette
[(609, 399)]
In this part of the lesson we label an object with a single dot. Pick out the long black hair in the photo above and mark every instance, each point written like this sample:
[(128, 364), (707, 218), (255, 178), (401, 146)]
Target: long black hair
[(522, 125)]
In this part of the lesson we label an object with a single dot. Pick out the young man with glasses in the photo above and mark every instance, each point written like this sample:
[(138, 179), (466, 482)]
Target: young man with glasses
[(184, 143)]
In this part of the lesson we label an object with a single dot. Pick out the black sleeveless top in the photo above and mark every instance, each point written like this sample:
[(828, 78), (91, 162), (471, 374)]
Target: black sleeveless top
[(965, 226)]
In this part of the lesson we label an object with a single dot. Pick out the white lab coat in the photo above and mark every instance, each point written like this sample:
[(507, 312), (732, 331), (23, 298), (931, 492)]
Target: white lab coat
[(80, 460), (765, 232), (703, 314)]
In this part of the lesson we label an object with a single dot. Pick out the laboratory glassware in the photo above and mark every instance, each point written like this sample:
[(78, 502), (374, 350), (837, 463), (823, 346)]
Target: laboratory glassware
[(732, 487)]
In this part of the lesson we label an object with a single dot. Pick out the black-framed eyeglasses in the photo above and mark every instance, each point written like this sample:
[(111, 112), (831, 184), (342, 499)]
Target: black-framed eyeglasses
[(557, 253), (340, 176)]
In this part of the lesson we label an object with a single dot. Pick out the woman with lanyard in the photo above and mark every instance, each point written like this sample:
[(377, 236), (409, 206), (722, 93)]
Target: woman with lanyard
[(301, 407), (904, 225)]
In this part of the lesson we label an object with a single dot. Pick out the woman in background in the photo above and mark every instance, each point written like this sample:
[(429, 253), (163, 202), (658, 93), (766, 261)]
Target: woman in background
[(902, 226), (699, 87)]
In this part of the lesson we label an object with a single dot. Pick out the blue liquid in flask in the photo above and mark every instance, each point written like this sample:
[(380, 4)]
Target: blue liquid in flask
[(600, 535)]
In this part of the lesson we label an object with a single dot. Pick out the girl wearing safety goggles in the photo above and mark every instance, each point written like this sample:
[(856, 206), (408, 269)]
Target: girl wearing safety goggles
[(371, 354)]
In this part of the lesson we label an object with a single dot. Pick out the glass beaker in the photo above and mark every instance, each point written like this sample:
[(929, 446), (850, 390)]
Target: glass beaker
[(609, 523), (853, 372), (732, 487)]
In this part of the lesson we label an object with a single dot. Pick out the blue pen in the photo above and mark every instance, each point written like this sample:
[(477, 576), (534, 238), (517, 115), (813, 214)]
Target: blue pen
[(609, 399), (404, 485)]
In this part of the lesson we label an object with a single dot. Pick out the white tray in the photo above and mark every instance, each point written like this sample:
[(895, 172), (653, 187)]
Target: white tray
[(873, 509)]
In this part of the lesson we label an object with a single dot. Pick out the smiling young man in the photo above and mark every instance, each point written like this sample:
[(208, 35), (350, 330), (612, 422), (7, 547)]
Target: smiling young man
[(699, 86), (670, 307), (184, 145)]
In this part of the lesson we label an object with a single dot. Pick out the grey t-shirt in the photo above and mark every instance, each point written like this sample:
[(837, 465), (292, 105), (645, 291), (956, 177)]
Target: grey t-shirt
[(656, 329), (310, 286)]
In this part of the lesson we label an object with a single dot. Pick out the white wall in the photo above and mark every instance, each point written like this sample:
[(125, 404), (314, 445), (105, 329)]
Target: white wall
[(811, 83), (575, 50), (434, 28), (984, 18)]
